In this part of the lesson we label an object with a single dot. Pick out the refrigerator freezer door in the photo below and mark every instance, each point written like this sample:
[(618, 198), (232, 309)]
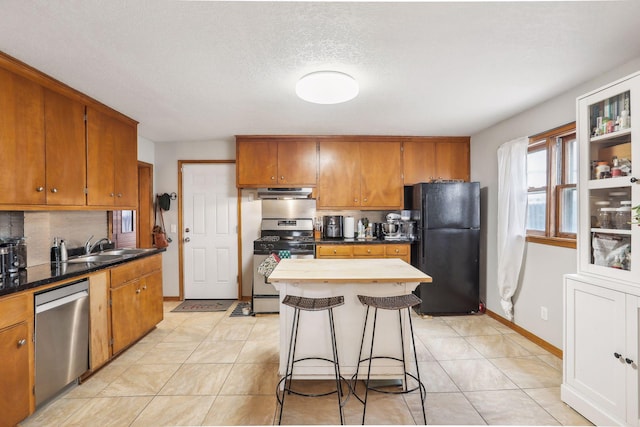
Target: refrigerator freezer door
[(451, 258), (448, 205)]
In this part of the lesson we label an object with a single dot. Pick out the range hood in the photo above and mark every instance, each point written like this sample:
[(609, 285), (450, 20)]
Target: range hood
[(284, 193)]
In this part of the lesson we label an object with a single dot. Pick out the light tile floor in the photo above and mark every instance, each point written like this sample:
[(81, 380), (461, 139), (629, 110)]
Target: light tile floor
[(212, 369)]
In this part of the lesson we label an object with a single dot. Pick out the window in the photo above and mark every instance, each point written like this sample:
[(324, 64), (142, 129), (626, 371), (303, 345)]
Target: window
[(552, 175)]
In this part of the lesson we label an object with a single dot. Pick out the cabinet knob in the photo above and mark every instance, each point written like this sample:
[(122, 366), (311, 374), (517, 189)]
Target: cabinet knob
[(39, 189), (144, 287), (364, 200), (633, 179), (138, 291), (119, 194), (617, 355), (355, 200), (111, 194), (54, 190), (335, 252), (629, 361), (368, 251), (397, 250), (187, 239), (282, 178), (273, 177), (22, 342)]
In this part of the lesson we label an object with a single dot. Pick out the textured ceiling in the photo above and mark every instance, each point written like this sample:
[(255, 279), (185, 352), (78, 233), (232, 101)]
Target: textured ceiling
[(196, 70)]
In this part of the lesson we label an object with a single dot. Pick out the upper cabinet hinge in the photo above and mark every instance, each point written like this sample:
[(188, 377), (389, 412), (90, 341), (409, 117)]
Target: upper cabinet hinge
[(85, 116)]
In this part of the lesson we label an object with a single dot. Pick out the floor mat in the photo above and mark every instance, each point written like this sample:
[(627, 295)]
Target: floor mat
[(195, 305), (237, 312)]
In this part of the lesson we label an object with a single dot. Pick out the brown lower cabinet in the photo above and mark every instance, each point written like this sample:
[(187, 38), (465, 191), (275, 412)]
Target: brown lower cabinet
[(136, 300), (377, 250), (16, 354)]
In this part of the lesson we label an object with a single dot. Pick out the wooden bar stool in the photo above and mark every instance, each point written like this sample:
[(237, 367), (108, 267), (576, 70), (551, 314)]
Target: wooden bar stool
[(310, 304), (397, 303)]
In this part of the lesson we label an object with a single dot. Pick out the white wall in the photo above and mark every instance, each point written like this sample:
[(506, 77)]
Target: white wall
[(541, 279), (146, 150)]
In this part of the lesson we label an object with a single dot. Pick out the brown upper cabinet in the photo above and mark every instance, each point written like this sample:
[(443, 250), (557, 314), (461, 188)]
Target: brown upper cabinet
[(430, 158), (263, 161), (112, 152), (360, 172), (44, 142)]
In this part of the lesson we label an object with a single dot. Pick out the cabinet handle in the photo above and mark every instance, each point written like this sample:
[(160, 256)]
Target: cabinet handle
[(22, 342), (39, 189), (629, 361), (54, 190), (617, 355), (633, 180)]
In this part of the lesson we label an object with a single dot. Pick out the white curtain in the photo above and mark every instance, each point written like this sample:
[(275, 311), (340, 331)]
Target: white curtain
[(512, 217)]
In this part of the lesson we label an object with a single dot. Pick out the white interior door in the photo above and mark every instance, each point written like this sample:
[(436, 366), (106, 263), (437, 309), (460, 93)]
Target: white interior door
[(210, 231)]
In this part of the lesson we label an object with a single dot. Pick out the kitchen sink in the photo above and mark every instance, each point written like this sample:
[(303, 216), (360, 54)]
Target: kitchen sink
[(125, 251), (100, 258)]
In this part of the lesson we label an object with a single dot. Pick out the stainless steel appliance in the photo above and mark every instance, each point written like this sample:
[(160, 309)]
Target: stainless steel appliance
[(333, 226), (287, 225), (61, 338), (448, 249)]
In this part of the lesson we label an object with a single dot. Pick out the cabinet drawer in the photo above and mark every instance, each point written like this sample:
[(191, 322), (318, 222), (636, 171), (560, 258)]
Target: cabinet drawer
[(134, 270), (368, 251), (396, 250), (15, 309), (340, 251)]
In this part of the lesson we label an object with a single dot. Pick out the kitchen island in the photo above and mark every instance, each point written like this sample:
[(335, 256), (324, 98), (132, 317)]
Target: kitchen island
[(317, 278)]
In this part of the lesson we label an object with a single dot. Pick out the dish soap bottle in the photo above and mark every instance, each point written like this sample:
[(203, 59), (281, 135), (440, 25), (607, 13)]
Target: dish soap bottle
[(55, 251), (64, 256)]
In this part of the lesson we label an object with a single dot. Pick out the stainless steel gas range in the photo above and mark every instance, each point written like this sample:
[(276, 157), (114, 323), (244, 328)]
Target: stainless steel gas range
[(286, 229)]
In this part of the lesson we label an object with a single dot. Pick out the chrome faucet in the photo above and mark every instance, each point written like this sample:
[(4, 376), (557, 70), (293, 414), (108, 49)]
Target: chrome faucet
[(89, 247)]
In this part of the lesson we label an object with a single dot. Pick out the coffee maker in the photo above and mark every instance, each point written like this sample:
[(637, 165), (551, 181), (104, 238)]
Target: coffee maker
[(333, 226)]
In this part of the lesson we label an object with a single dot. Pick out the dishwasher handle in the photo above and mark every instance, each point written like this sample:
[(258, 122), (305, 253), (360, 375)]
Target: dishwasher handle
[(61, 301)]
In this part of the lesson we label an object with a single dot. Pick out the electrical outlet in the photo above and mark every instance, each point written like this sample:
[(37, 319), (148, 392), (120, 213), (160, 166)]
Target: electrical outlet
[(544, 313)]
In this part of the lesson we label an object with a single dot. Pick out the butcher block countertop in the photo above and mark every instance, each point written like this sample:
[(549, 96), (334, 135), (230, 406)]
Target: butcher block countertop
[(388, 270)]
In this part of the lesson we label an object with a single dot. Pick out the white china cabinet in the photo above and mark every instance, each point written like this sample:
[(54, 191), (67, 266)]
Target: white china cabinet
[(602, 301)]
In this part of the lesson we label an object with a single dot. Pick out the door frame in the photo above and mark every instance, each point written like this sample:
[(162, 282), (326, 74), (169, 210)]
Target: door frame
[(181, 227)]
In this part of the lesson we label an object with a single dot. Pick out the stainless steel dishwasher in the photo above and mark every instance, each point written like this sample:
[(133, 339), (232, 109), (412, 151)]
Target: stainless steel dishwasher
[(61, 338)]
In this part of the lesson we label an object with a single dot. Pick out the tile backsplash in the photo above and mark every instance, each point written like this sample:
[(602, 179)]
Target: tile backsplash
[(39, 229)]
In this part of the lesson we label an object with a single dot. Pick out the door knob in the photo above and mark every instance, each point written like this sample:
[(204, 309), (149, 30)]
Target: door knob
[(186, 239), (617, 355), (186, 230), (633, 179), (629, 361)]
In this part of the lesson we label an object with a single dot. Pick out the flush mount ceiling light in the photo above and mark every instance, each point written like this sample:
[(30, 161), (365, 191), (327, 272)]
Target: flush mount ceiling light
[(327, 87)]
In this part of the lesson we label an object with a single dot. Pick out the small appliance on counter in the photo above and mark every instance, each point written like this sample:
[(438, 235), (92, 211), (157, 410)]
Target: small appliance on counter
[(333, 226), (391, 228), (349, 227), (13, 254)]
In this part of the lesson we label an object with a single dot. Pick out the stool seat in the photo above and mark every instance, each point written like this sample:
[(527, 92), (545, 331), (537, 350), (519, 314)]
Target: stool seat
[(313, 304), (396, 302), (299, 304)]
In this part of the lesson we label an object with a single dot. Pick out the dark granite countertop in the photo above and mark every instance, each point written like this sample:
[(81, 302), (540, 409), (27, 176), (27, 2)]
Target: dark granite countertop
[(362, 241), (45, 274)]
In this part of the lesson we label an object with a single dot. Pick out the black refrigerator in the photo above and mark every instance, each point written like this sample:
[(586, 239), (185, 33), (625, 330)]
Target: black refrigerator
[(448, 249)]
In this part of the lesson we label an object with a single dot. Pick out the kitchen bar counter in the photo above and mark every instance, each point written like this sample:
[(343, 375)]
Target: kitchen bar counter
[(44, 274), (316, 278)]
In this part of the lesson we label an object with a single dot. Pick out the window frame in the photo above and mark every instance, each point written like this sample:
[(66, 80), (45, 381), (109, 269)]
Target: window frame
[(557, 176)]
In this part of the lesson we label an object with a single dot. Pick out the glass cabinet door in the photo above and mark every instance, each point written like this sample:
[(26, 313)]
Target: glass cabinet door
[(609, 140)]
